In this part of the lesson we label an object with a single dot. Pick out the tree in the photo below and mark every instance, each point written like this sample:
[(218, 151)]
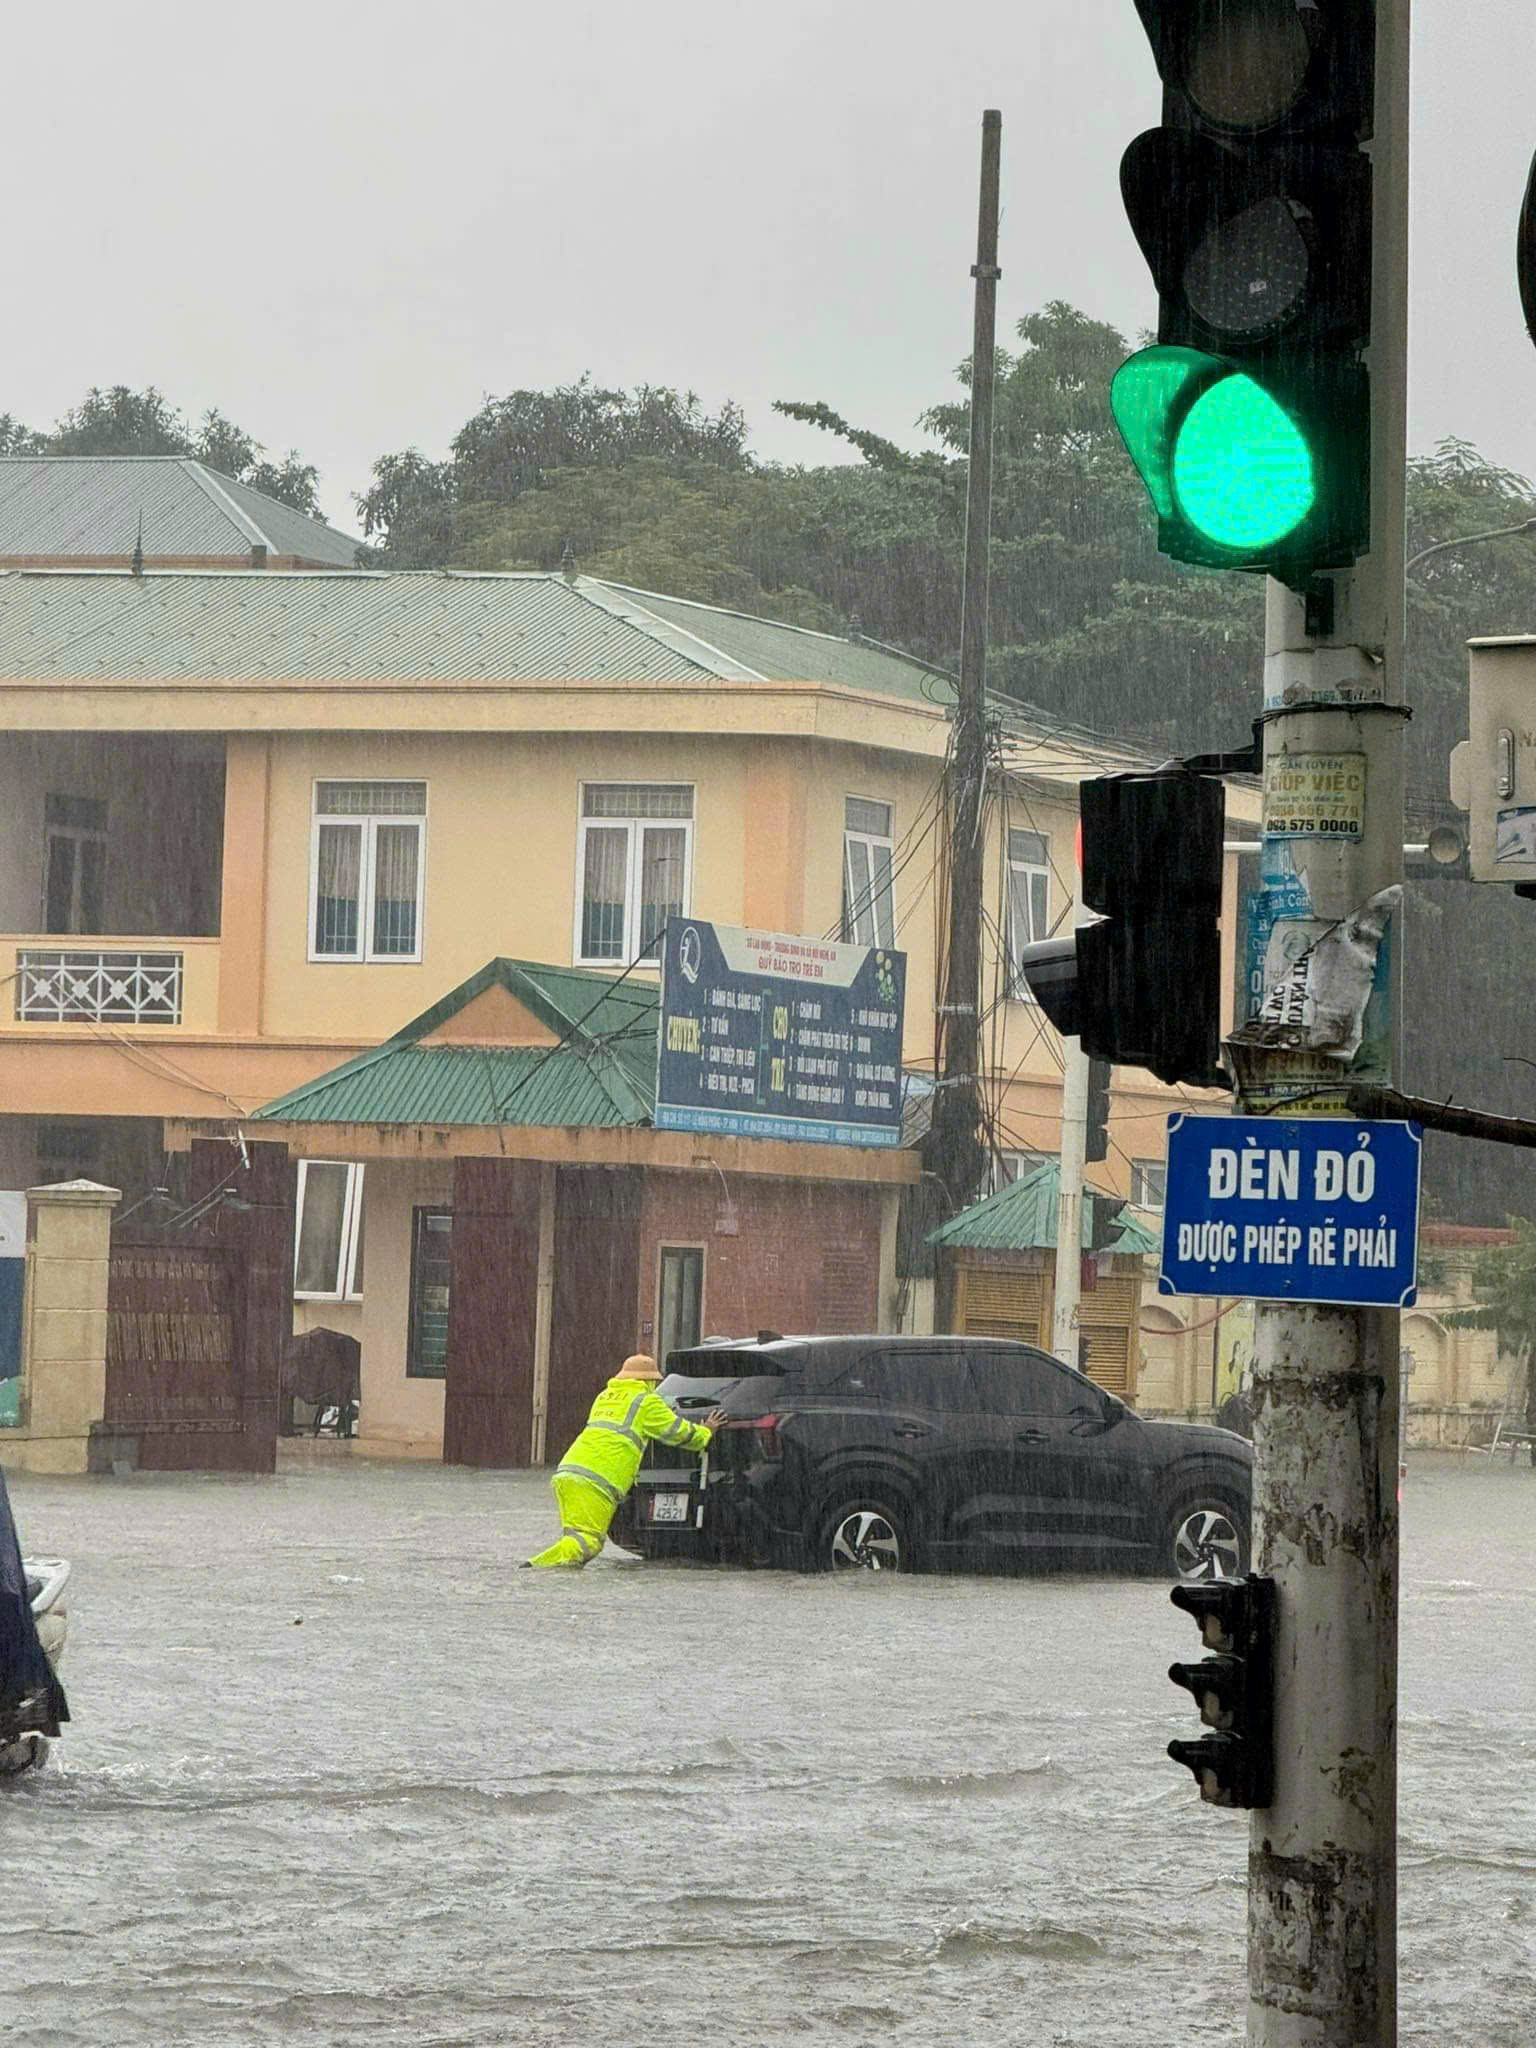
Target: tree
[(699, 532), (515, 444), (1504, 1282), (16, 439), (120, 421)]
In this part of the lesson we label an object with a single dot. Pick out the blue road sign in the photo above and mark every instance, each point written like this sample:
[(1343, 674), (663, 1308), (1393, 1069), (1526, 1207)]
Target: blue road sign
[(766, 1035), (1319, 1209)]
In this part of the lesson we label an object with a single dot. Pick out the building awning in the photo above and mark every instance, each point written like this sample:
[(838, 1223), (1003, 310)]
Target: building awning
[(516, 1045), (1022, 1217)]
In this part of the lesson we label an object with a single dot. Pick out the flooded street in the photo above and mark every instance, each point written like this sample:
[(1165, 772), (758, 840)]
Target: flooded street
[(339, 1774)]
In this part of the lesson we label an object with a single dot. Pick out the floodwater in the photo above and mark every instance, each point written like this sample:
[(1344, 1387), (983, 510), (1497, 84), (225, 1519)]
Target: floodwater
[(339, 1774)]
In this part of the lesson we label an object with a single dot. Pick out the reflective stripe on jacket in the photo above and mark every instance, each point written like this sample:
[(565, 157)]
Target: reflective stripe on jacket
[(625, 1416)]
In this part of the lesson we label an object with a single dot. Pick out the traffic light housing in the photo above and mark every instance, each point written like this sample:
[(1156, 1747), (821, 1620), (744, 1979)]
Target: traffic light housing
[(1142, 987), (1249, 421), (1235, 1689), (1097, 1147), (1106, 1219)]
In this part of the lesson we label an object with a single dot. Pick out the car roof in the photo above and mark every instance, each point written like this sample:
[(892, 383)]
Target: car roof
[(833, 1346)]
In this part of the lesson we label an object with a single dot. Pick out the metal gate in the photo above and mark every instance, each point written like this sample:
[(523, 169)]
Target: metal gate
[(175, 1394)]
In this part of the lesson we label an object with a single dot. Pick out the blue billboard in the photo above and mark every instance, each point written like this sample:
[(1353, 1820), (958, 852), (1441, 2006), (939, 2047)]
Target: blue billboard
[(765, 1035)]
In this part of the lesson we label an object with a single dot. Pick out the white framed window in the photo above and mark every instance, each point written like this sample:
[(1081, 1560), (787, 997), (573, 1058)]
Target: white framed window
[(1029, 903), (1012, 1166), (634, 868), (367, 869), (1149, 1183), (328, 1239), (869, 855)]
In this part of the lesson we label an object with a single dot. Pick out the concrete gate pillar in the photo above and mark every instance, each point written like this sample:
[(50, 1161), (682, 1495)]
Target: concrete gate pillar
[(64, 1327)]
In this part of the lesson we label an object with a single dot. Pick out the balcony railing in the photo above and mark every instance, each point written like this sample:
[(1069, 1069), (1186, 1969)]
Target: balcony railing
[(97, 985)]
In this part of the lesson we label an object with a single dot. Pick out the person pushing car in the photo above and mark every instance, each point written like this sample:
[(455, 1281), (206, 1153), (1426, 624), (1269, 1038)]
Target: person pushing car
[(599, 1468)]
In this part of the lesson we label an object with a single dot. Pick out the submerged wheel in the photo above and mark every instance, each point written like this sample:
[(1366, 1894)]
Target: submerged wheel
[(863, 1535), (26, 1753), (1208, 1539)]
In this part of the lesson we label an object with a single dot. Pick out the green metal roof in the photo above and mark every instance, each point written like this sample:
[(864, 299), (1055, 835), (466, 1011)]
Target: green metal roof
[(86, 505), (437, 626), (1023, 1218), (765, 649), (600, 1076)]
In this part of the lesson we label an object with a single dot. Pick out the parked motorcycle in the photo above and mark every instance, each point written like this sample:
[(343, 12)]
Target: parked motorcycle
[(34, 1625)]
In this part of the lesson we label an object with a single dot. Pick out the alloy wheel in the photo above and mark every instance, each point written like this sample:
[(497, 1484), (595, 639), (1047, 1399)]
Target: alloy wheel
[(864, 1540), (1207, 1545)]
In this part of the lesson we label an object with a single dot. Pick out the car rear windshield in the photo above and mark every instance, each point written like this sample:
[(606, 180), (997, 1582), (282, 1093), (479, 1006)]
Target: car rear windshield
[(727, 1362)]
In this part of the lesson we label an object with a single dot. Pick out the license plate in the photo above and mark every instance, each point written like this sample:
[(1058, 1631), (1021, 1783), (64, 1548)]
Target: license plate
[(669, 1507)]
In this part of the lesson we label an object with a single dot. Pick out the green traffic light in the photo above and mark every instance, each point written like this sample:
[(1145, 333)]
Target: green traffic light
[(1218, 454), (1242, 470)]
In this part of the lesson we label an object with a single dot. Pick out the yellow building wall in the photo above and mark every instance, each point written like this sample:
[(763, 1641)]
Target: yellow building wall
[(503, 827)]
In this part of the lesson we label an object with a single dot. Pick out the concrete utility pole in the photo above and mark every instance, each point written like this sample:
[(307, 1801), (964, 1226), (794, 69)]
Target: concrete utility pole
[(1322, 1925), (957, 1151)]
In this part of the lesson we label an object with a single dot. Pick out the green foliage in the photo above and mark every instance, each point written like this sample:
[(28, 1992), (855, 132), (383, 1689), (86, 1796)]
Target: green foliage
[(714, 535), (119, 421), (517, 444), (17, 439), (1504, 1284)]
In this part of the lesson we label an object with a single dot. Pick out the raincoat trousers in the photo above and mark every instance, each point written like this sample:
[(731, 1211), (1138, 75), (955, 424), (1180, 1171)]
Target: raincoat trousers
[(599, 1468)]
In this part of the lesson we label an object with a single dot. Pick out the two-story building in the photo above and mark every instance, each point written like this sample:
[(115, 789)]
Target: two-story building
[(254, 823)]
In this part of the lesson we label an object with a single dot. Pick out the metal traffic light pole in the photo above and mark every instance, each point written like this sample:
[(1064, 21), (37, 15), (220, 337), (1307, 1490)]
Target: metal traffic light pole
[(1322, 1911)]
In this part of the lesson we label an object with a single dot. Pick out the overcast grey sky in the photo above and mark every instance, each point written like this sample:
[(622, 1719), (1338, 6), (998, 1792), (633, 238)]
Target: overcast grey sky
[(345, 225)]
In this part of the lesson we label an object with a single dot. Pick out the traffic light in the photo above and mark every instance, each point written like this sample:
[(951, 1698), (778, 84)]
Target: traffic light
[(1249, 421), (1106, 1219), (1235, 1764), (1142, 987), (1099, 1072)]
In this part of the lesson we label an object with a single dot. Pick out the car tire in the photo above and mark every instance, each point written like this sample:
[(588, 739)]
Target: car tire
[(26, 1753), (862, 1531), (1207, 1537)]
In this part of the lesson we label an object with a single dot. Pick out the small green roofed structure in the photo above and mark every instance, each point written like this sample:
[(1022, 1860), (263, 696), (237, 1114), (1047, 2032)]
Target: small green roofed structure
[(1022, 1217), (599, 1072)]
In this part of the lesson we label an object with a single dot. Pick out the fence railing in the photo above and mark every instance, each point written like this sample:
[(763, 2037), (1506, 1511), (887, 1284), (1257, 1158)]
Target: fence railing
[(98, 985)]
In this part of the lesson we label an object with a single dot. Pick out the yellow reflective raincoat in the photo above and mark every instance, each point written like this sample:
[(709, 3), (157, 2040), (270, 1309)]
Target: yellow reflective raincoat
[(599, 1468)]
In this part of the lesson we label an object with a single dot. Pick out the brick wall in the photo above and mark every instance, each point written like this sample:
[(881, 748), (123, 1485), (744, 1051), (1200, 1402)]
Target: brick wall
[(805, 1257)]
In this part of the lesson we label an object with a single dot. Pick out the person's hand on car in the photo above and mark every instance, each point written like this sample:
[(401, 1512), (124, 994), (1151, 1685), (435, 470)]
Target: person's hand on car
[(714, 1418)]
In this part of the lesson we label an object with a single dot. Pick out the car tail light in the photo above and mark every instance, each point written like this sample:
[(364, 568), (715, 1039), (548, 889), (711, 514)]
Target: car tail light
[(763, 1438)]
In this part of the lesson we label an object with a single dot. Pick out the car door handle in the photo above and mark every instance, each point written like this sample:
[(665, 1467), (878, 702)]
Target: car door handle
[(1032, 1436), (915, 1431)]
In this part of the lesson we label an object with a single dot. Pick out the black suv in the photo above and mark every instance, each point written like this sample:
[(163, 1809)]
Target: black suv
[(890, 1452)]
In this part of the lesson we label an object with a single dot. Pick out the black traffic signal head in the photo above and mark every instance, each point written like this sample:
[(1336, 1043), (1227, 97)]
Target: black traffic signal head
[(1234, 1688), (1249, 421), (1097, 1148), (1106, 1219), (1142, 987), (1525, 254)]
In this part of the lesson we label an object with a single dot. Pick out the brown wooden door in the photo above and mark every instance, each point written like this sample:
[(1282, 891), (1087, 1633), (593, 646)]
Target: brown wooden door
[(488, 1381), (596, 1295)]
